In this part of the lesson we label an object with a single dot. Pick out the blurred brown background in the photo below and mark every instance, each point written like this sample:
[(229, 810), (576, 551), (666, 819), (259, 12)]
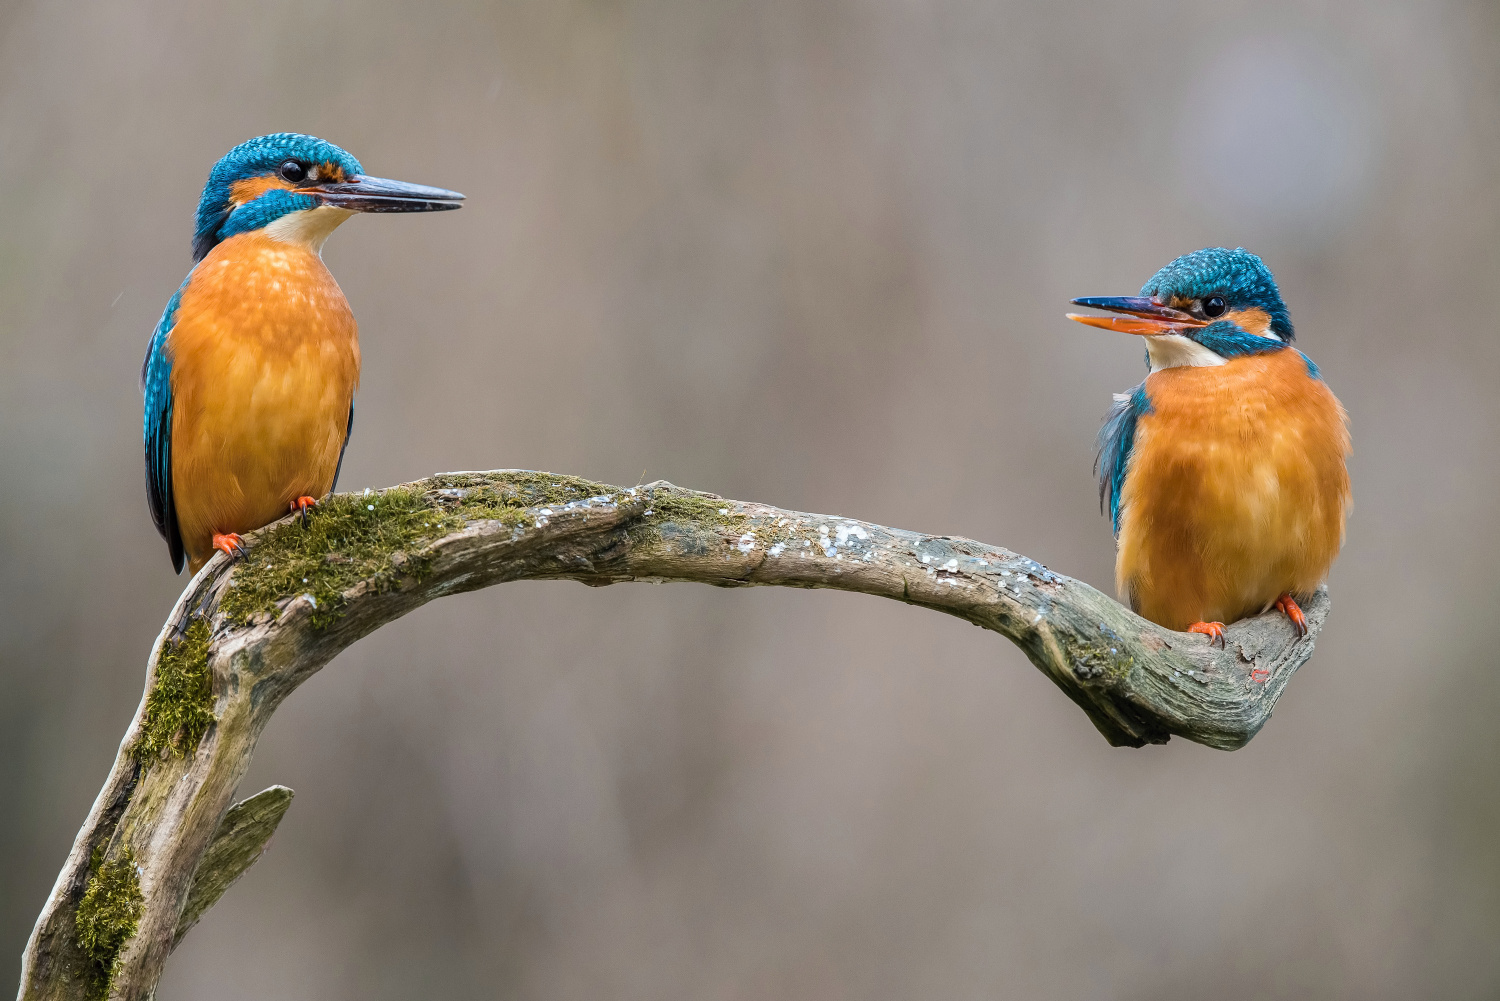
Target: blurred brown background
[(814, 254)]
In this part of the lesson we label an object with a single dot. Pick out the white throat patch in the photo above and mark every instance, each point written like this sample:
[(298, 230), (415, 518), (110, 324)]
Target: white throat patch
[(309, 227), (1174, 350)]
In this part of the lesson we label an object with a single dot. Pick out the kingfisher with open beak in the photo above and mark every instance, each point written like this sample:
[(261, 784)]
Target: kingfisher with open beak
[(249, 379), (1224, 471)]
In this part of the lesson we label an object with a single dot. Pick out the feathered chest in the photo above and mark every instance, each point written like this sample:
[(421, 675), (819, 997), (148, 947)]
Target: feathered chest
[(1256, 419), (264, 366), (1234, 488), (1249, 411), (276, 299)]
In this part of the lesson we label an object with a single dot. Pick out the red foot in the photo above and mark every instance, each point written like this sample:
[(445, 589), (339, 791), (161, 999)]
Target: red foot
[(1213, 630), (302, 505), (1287, 604), (1259, 675), (230, 545)]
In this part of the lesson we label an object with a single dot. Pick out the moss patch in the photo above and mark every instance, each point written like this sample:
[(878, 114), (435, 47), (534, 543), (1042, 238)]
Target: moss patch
[(503, 496), (695, 507), (698, 510), (180, 707), (1092, 661), (381, 538), (108, 915), (347, 539)]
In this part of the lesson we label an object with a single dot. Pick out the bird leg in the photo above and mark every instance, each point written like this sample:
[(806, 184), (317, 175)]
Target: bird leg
[(1288, 605), (302, 505), (230, 545), (1213, 630)]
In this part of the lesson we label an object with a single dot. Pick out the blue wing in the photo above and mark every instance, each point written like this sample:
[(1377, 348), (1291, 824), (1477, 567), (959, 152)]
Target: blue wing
[(156, 430), (1116, 439)]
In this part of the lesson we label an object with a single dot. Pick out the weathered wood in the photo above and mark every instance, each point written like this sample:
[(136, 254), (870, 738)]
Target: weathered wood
[(373, 558), (237, 845)]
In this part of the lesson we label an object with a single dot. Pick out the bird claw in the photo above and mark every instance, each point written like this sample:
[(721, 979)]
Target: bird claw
[(230, 545), (1213, 630), (302, 505), (1288, 606)]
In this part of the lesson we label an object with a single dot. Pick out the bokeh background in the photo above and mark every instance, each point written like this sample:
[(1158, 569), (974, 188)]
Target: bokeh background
[(814, 254)]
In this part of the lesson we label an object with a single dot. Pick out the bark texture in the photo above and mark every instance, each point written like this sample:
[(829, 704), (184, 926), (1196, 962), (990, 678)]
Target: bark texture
[(306, 591)]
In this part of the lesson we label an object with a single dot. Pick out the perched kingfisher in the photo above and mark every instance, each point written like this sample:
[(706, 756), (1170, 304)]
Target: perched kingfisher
[(250, 376), (1224, 471)]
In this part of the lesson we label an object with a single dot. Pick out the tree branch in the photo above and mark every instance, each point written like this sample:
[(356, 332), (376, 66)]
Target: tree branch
[(238, 843), (157, 848)]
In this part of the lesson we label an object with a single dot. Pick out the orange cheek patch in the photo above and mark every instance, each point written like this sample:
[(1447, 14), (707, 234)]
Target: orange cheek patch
[(251, 188), (1253, 320), (330, 172)]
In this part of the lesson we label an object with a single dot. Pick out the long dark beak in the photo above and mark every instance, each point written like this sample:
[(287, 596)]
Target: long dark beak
[(378, 194), (1143, 316)]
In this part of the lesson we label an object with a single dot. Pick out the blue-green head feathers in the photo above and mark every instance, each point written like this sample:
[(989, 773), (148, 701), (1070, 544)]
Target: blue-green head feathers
[(287, 155), (1241, 278)]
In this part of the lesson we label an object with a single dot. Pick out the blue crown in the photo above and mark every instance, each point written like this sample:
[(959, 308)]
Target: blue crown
[(1238, 275), (257, 158)]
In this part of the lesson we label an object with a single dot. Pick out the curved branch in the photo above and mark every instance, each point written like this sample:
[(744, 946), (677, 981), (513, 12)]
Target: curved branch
[(239, 842), (306, 591)]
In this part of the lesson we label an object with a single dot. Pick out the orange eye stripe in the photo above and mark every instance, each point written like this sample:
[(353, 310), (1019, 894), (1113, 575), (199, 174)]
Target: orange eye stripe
[(251, 188)]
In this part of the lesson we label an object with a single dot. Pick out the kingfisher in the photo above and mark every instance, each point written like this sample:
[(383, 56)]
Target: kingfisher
[(250, 375), (1224, 472)]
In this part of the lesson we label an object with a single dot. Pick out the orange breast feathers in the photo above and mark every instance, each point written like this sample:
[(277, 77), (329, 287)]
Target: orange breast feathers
[(1236, 490), (265, 362)]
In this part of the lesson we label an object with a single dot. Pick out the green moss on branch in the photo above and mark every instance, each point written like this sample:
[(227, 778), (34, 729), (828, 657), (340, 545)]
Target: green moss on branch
[(691, 519), (692, 507), (1091, 661), (180, 707), (505, 495), (348, 539), (382, 538), (108, 915)]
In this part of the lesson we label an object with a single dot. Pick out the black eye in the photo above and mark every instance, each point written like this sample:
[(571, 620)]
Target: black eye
[(1213, 306), (293, 171)]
